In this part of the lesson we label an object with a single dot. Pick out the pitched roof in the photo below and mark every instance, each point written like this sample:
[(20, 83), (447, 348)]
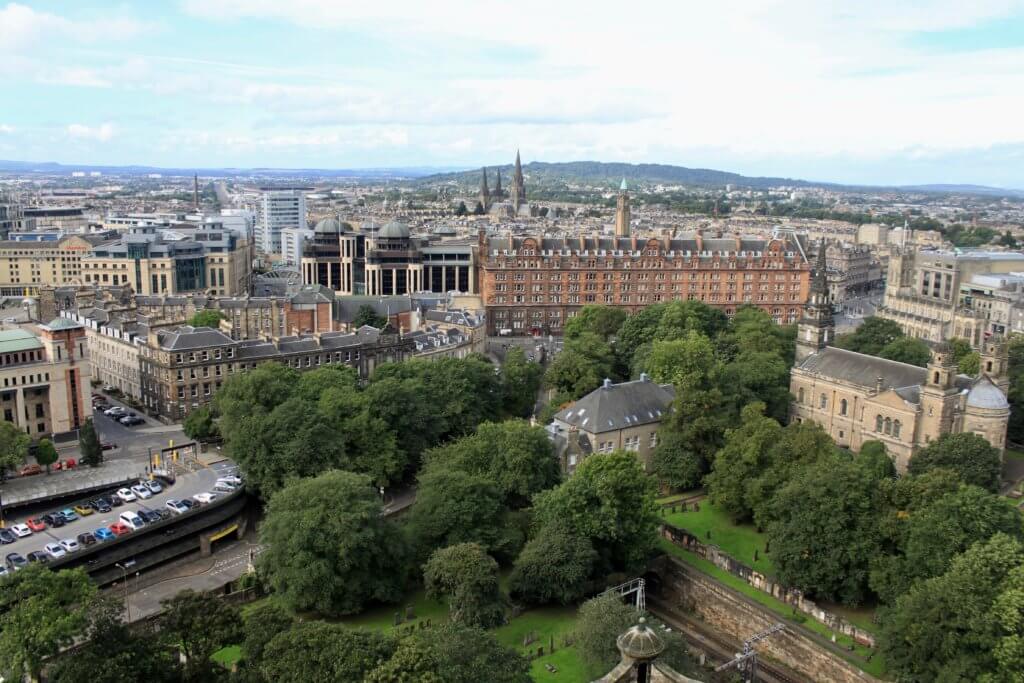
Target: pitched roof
[(18, 340), (618, 406), (864, 370), (186, 338)]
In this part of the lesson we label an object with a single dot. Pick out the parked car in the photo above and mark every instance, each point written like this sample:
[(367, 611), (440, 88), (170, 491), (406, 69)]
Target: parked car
[(142, 491), (120, 529), (205, 498), (39, 556), (164, 514), (154, 486), (4, 571), (35, 524), (69, 515), (109, 387), (108, 446), (114, 500), (150, 516), (231, 479), (178, 507), (70, 545), (6, 537), (95, 395), (55, 550), (132, 520), (101, 505), (116, 411), (15, 561), (87, 539), (21, 530), (101, 407), (70, 463), (54, 519), (29, 470), (84, 509), (224, 487), (103, 534), (126, 495), (132, 420)]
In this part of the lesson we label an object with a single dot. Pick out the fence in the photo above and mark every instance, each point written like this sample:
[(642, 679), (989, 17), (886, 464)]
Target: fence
[(790, 596)]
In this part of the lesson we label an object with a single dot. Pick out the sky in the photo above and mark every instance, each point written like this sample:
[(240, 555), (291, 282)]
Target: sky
[(874, 91)]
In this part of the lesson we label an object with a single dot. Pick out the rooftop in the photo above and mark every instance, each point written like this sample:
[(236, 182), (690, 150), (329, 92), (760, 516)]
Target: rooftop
[(18, 340), (619, 406)]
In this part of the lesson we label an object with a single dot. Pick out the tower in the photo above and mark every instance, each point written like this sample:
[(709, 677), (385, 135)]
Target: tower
[(995, 362), (816, 328), (622, 216), (499, 193), (518, 187), (195, 191), (939, 394), (485, 193)]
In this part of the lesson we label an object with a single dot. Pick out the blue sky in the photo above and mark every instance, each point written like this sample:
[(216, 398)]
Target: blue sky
[(867, 92)]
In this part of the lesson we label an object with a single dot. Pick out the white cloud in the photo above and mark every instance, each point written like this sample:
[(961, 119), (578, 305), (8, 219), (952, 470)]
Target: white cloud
[(6, 129), (23, 28), (102, 133)]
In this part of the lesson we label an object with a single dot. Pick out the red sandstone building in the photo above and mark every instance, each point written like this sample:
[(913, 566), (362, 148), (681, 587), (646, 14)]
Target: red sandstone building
[(532, 285)]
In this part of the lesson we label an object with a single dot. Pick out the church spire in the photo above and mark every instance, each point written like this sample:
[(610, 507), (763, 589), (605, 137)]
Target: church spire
[(820, 283), (518, 185), (817, 327), (485, 193)]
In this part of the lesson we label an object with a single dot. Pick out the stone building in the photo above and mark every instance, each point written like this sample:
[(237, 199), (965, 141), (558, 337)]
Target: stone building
[(623, 416), (622, 215), (856, 397), (45, 378), (26, 267), (182, 368), (534, 284), (852, 271)]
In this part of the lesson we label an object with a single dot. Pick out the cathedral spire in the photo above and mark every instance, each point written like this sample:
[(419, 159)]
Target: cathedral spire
[(518, 186), (817, 327), (820, 283), (485, 193)]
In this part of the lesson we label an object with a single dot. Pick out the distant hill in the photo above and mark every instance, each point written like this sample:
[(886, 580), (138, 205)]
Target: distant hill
[(54, 168)]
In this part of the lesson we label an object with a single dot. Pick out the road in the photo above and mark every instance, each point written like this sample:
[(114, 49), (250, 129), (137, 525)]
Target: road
[(186, 486), (855, 310), (131, 441)]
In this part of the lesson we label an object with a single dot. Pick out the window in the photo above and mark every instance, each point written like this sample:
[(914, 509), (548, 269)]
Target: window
[(878, 423), (888, 425), (842, 407), (654, 439), (800, 395), (823, 402), (896, 428)]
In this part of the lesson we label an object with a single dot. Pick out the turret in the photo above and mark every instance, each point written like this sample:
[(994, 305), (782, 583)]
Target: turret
[(622, 213), (817, 327), (995, 362)]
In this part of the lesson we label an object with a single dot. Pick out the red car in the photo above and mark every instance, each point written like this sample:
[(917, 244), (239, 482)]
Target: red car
[(70, 463), (36, 524), (29, 470), (120, 529)]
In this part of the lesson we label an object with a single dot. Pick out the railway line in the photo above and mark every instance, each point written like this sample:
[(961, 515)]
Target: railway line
[(716, 647)]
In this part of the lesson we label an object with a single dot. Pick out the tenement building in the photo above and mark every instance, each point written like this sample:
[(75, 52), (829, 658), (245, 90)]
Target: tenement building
[(856, 397), (182, 368), (534, 284), (44, 378)]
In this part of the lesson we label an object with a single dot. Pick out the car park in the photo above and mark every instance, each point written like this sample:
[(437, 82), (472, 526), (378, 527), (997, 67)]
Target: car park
[(142, 491), (6, 537), (39, 556), (100, 505), (154, 486), (35, 524), (53, 519), (55, 550), (131, 520), (103, 534), (15, 561), (83, 509), (205, 498), (150, 516), (126, 495), (178, 507), (69, 515), (120, 529), (70, 545), (21, 530), (85, 540), (114, 500), (164, 514)]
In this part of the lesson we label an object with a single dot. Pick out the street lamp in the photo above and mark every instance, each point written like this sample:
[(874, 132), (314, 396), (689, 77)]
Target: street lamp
[(124, 580)]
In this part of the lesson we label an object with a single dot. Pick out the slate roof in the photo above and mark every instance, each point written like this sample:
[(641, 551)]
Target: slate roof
[(186, 338), (18, 340), (986, 395), (612, 407)]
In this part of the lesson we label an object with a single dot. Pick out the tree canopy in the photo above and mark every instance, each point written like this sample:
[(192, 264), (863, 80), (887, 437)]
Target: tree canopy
[(366, 315), (207, 318), (13, 447), (321, 652), (468, 577), (967, 454), (198, 625), (871, 336), (553, 567)]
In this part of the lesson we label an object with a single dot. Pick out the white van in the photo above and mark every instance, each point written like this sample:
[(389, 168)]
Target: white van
[(132, 520)]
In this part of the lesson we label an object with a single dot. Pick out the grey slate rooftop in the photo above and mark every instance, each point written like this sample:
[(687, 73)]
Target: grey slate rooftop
[(619, 406)]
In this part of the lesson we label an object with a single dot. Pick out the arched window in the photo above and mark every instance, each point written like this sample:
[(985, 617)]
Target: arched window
[(878, 423), (936, 377), (888, 425), (988, 366), (896, 428), (800, 395), (823, 402), (842, 407)]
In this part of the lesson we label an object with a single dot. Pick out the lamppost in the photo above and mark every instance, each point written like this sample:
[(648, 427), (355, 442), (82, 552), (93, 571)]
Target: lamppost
[(124, 580)]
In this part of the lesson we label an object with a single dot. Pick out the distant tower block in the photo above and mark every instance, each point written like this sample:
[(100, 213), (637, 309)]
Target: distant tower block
[(195, 191), (622, 215)]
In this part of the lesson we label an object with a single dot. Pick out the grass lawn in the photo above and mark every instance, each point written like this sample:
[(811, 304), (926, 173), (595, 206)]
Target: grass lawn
[(738, 540), (858, 616), (875, 667), (682, 495), (1014, 455), (228, 655)]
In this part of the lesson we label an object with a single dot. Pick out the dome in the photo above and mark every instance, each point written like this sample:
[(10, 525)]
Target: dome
[(394, 230), (62, 324), (986, 395), (640, 642), (329, 225)]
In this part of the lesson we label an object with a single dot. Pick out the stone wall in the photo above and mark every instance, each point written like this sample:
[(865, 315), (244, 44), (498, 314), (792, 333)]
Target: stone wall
[(731, 613), (790, 596)]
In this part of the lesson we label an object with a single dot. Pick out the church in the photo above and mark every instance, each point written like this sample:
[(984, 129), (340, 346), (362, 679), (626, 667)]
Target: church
[(508, 204), (856, 397)]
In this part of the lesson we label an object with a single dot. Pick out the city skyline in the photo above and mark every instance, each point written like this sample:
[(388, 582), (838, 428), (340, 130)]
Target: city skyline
[(873, 95)]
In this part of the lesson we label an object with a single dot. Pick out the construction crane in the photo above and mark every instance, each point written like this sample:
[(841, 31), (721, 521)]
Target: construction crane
[(746, 661)]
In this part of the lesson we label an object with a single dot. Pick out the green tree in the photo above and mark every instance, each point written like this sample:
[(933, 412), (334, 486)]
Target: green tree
[(603, 321), (970, 364), (366, 315), (468, 577), (599, 623), (584, 363), (874, 459), (451, 653), (609, 501), (745, 455), (520, 381), (676, 463), (198, 625), (873, 335), (907, 350), (961, 348), (46, 454), (329, 548), (111, 652), (553, 567), (1008, 611), (260, 625), (207, 318), (13, 447), (89, 444), (516, 457), (461, 209), (946, 628), (321, 652), (199, 425), (41, 612), (967, 454), (682, 362)]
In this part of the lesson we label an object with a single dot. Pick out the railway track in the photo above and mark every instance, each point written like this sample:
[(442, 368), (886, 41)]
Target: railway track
[(715, 646)]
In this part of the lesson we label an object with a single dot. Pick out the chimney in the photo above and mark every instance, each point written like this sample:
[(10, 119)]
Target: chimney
[(607, 384), (878, 385)]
